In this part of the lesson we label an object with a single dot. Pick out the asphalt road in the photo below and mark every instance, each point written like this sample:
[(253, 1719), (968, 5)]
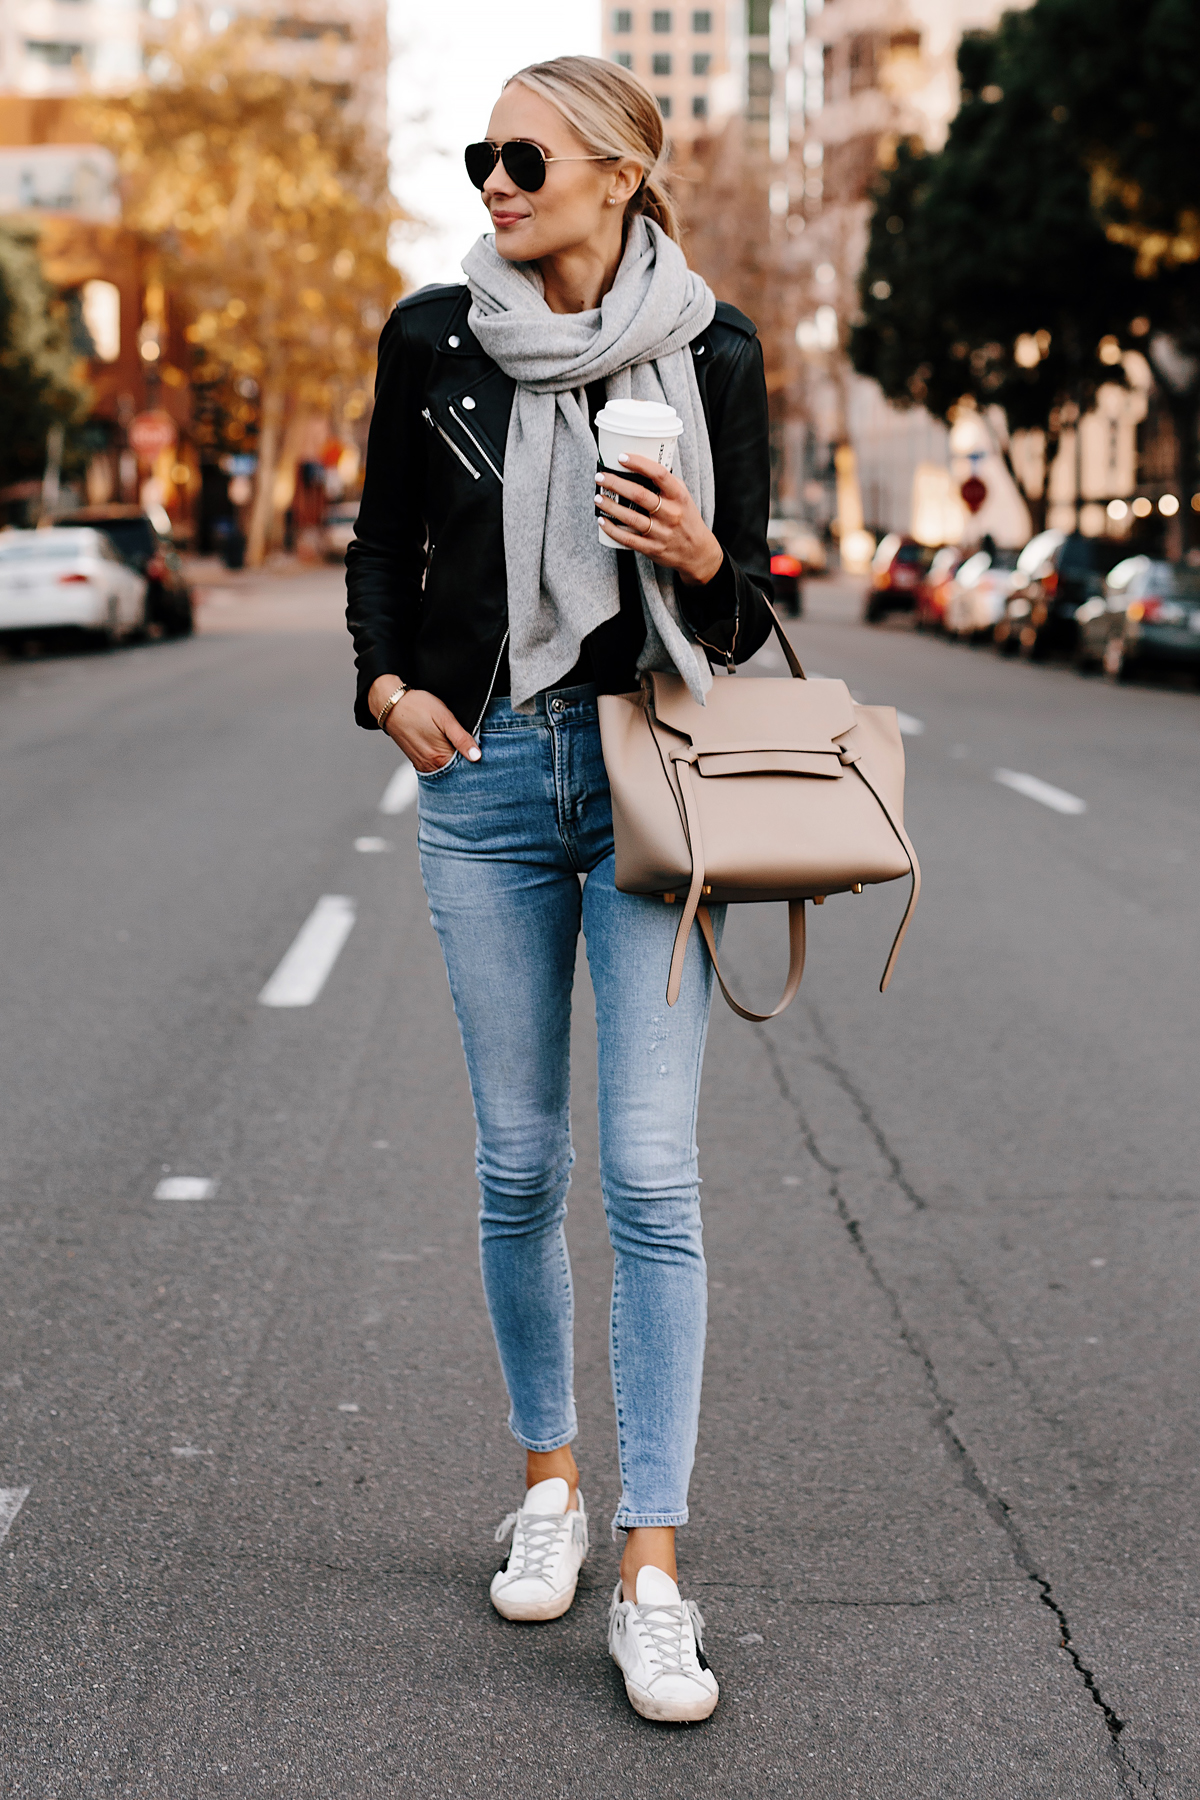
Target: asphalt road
[(945, 1516)]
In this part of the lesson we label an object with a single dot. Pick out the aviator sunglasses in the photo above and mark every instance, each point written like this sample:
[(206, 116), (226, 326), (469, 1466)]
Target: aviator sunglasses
[(524, 163)]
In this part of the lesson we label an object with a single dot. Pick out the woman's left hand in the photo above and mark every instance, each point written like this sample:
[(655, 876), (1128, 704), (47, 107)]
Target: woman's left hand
[(671, 533)]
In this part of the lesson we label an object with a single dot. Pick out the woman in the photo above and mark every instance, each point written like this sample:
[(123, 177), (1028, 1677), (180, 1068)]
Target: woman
[(487, 615)]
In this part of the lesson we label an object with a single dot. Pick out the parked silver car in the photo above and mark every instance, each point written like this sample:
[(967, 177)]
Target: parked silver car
[(68, 577), (1149, 616)]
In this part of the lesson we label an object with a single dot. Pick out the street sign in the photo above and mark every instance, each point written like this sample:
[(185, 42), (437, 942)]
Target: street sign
[(150, 433), (974, 492)]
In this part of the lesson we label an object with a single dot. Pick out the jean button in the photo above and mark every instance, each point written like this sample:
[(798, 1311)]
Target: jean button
[(556, 706)]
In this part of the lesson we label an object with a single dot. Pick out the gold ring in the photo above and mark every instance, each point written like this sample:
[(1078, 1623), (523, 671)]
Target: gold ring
[(649, 523), (660, 501)]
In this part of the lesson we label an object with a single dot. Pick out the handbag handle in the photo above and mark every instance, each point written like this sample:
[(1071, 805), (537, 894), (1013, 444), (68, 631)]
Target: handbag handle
[(785, 644)]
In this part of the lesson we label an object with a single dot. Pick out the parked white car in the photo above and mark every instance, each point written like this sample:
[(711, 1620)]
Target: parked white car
[(69, 576), (978, 590)]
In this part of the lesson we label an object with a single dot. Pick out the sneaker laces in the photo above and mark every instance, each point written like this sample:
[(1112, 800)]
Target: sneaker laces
[(664, 1626), (540, 1539)]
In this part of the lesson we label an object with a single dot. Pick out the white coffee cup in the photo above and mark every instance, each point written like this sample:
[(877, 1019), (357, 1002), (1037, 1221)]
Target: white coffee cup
[(647, 428)]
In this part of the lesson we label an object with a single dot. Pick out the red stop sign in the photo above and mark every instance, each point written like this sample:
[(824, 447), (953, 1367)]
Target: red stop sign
[(974, 492), (150, 433)]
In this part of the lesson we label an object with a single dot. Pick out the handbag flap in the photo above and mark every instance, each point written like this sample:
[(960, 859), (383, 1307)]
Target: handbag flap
[(748, 715)]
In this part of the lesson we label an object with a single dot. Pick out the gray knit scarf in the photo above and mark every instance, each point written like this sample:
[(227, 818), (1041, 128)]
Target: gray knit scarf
[(562, 582)]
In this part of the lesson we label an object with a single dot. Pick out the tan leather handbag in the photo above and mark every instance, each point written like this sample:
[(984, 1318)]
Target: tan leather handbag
[(774, 790)]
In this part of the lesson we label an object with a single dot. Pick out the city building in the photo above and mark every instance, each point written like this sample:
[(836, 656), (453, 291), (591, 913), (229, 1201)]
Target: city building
[(877, 71), (689, 57), (131, 328)]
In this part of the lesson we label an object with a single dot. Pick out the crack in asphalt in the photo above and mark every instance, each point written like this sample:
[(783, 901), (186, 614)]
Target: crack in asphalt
[(1130, 1776)]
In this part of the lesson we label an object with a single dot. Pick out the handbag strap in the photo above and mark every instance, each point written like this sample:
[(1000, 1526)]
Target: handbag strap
[(852, 759), (683, 759)]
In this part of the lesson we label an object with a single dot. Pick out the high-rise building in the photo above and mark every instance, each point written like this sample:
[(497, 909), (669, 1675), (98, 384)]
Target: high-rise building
[(687, 56)]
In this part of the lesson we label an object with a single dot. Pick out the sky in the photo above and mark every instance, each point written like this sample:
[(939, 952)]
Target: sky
[(449, 59)]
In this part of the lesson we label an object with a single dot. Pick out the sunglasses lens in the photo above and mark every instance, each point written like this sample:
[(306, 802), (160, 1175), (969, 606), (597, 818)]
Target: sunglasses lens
[(480, 160), (526, 166)]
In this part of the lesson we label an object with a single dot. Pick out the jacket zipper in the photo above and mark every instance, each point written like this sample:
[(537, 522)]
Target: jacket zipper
[(491, 685), (433, 425), (463, 426)]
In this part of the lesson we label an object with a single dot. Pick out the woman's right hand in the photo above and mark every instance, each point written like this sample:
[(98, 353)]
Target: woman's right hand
[(422, 725)]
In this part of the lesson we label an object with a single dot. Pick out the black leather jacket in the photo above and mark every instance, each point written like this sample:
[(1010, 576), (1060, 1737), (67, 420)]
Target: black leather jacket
[(428, 598)]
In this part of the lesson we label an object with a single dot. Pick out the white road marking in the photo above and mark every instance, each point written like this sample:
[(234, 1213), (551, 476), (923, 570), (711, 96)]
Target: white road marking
[(400, 791), (11, 1502), (185, 1187), (307, 965), (909, 726), (1057, 799), (188, 1450), (347, 1406), (372, 846)]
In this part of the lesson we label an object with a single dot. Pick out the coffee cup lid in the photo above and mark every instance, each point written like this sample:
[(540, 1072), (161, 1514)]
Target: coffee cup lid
[(640, 418)]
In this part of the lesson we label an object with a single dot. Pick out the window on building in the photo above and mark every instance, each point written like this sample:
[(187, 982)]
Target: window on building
[(54, 55), (623, 58), (701, 63), (664, 104), (311, 30), (758, 87), (701, 21), (758, 18), (661, 61), (661, 21), (699, 106), (862, 61), (622, 21)]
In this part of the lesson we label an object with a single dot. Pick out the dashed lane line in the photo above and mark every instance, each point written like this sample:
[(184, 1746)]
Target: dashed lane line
[(185, 1187), (1056, 798), (11, 1502), (307, 965), (400, 791)]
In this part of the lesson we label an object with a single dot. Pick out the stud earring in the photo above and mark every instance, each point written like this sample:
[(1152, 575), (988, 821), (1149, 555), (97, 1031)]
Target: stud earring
[(610, 201)]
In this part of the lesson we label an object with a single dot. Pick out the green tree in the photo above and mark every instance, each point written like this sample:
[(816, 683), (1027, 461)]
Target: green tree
[(39, 386), (988, 274)]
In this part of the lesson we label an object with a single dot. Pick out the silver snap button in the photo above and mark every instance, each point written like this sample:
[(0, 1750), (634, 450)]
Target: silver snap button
[(468, 403), (699, 349), (454, 342), (556, 706)]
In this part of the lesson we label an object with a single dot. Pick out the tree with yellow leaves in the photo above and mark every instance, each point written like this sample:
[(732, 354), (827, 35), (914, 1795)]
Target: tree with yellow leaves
[(267, 198)]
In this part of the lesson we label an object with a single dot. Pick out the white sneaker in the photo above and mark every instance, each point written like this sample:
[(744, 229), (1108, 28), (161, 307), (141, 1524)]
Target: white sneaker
[(549, 1544), (658, 1645)]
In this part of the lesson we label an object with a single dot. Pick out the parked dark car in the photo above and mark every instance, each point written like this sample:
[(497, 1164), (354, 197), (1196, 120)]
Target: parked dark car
[(134, 536), (1056, 573), (897, 571), (1148, 618)]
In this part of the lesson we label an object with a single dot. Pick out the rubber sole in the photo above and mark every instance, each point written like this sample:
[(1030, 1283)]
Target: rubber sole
[(645, 1705), (554, 1608)]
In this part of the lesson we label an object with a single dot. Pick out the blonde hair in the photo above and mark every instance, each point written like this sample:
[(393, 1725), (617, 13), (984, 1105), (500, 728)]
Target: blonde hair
[(613, 115)]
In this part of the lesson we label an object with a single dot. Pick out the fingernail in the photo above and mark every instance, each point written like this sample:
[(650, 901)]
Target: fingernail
[(474, 755), (622, 459)]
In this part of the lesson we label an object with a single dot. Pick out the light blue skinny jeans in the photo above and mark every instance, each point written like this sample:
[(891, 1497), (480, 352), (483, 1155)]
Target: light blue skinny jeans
[(504, 843)]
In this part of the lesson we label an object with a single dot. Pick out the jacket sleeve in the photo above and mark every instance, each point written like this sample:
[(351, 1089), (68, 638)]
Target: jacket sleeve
[(729, 613), (385, 563)]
